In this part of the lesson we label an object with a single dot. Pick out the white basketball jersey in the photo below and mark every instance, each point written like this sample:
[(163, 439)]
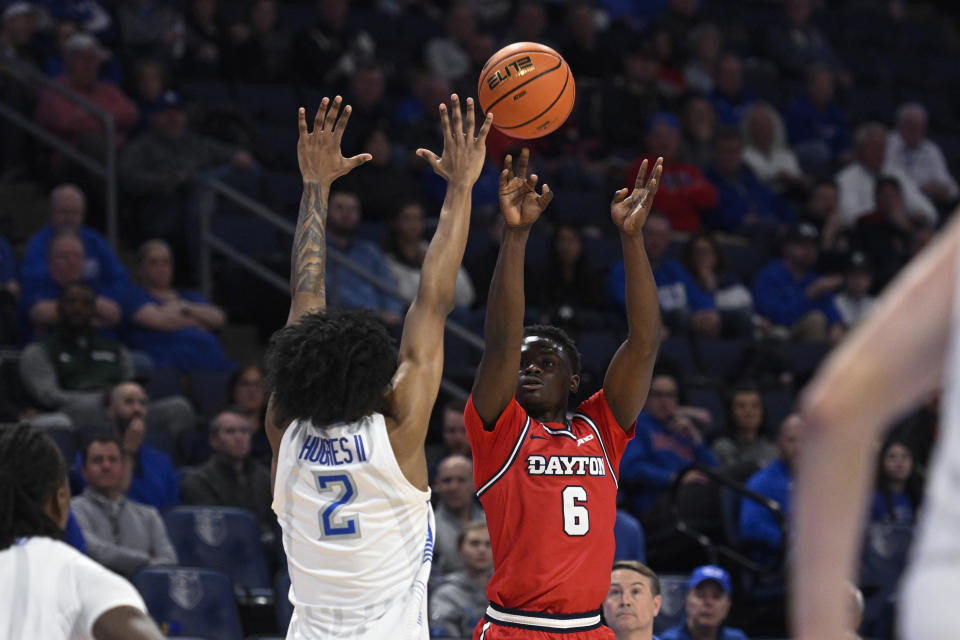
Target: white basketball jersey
[(931, 580), (358, 535), (50, 590)]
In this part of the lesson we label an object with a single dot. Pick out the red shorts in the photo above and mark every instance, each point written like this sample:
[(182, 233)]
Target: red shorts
[(510, 624)]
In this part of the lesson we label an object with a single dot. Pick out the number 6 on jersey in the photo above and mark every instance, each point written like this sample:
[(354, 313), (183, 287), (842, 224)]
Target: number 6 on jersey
[(576, 518)]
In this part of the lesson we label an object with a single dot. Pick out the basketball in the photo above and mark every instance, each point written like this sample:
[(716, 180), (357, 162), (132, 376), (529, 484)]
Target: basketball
[(529, 89)]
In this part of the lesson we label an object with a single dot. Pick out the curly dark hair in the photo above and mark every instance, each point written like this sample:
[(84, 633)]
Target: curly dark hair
[(31, 471), (330, 366), (559, 336)]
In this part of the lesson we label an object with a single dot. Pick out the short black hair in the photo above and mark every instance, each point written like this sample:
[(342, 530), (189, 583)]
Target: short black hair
[(559, 336), (32, 469), (329, 366), (98, 438)]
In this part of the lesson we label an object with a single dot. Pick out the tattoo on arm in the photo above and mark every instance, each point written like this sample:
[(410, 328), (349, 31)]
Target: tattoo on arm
[(308, 263)]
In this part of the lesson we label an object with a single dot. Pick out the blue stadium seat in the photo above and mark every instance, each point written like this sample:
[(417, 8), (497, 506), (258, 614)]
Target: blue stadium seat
[(208, 390), (631, 544), (225, 539), (603, 251), (804, 358), (207, 92), (66, 439), (190, 601), (245, 233), (161, 440), (777, 404), (882, 562), (709, 398), (596, 349), (721, 359), (673, 591), (164, 382), (272, 102), (282, 603), (283, 189), (676, 350)]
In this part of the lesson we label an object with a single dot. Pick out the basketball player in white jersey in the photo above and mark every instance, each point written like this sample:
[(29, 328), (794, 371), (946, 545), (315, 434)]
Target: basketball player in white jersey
[(348, 413), (907, 348), (48, 589)]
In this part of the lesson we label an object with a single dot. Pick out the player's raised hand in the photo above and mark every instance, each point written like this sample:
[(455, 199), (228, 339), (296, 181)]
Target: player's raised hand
[(463, 152), (520, 203), (318, 152), (629, 212)]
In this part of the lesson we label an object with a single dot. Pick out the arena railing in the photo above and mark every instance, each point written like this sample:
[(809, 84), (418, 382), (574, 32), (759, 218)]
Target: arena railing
[(211, 243), (105, 169)]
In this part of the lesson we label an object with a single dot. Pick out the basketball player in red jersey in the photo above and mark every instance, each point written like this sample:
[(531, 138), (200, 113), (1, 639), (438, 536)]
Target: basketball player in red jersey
[(548, 484)]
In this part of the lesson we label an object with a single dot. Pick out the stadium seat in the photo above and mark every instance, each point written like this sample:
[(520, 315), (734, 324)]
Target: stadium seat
[(282, 603), (186, 600), (270, 102), (777, 404), (630, 541), (720, 359), (603, 251), (673, 591), (207, 92), (208, 390), (882, 561), (597, 349), (225, 539), (66, 439), (164, 382), (708, 397), (676, 350), (804, 358)]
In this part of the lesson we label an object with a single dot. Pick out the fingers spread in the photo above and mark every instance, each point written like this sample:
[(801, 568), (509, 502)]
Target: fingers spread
[(431, 158), (620, 195), (508, 163), (302, 120), (545, 196), (445, 124), (471, 119), (456, 118), (485, 128), (331, 114), (641, 175), (359, 159), (523, 162), (321, 113), (341, 123)]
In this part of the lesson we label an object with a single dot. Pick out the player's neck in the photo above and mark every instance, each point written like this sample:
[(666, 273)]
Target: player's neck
[(558, 415)]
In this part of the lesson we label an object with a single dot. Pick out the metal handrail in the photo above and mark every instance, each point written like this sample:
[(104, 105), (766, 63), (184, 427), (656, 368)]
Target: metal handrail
[(210, 242), (716, 548), (106, 170)]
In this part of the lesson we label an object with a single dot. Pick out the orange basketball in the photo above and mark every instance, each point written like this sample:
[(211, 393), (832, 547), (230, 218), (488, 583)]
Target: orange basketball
[(529, 89)]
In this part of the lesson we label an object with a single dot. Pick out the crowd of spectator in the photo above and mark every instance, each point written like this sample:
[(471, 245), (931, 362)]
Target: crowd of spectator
[(805, 163)]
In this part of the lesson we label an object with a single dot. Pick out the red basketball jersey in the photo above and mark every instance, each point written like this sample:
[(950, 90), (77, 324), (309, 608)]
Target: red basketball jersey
[(550, 496)]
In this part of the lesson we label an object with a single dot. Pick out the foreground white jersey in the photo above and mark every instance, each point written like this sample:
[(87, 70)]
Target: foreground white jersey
[(929, 608), (358, 535), (51, 591)]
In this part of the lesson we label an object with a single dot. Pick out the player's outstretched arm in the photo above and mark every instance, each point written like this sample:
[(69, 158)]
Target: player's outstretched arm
[(521, 206), (320, 160), (420, 359), (884, 368), (628, 376)]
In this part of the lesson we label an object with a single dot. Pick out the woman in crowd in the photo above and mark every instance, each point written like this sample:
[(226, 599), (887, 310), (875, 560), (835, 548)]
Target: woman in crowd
[(899, 487), (745, 445), (704, 260)]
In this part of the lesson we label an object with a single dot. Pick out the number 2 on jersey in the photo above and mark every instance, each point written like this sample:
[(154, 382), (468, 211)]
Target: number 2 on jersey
[(331, 523), (576, 518)]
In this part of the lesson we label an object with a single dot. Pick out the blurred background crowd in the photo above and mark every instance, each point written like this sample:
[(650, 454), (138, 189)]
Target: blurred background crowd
[(810, 150)]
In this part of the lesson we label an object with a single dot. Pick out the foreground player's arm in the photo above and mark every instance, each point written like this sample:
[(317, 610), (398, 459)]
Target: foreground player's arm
[(320, 160), (628, 376), (420, 359), (521, 205), (887, 366), (125, 623)]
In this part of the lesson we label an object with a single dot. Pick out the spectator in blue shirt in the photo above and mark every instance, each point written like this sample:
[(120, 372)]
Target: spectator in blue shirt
[(65, 261), (628, 534), (633, 601), (744, 202), (899, 489), (666, 442), (68, 208), (816, 124), (153, 480), (344, 287), (790, 294), (757, 523), (706, 604), (730, 99), (682, 303), (175, 328)]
